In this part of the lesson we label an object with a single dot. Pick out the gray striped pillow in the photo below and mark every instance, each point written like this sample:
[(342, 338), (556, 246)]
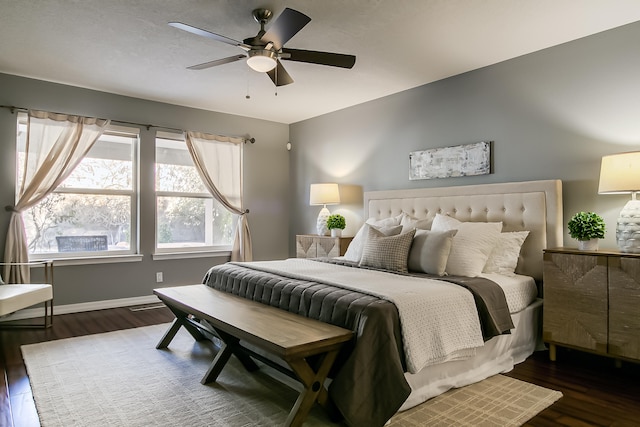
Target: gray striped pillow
[(387, 252)]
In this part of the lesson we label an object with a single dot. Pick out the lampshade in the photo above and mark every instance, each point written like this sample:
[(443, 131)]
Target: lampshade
[(262, 60), (620, 173), (324, 194)]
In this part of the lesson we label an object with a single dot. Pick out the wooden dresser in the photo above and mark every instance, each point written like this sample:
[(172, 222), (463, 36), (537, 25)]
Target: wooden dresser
[(592, 302), (314, 246)]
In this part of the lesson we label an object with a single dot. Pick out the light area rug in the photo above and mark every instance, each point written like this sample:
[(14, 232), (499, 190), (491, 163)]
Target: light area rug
[(120, 379)]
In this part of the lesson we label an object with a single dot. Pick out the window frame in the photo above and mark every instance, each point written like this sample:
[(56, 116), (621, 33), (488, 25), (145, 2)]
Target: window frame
[(133, 194), (184, 251)]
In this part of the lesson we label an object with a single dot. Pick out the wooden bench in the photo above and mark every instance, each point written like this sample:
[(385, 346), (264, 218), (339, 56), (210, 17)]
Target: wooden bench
[(291, 337)]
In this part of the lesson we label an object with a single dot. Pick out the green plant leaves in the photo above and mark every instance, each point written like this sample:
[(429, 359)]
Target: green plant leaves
[(336, 221), (586, 226)]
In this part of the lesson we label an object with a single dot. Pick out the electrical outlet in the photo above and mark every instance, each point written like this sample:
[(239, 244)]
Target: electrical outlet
[(159, 277)]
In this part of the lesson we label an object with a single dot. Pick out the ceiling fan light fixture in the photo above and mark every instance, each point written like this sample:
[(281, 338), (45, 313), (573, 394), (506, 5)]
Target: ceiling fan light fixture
[(262, 60), (265, 50)]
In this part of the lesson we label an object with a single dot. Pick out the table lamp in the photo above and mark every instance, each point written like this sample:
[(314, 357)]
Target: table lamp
[(323, 194), (619, 174)]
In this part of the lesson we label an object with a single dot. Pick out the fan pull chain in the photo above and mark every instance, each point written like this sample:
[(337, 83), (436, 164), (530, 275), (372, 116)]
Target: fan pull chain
[(246, 73), (276, 80)]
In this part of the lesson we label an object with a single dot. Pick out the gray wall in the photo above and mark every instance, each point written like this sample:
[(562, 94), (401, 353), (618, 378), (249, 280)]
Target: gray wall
[(266, 177), (552, 115)]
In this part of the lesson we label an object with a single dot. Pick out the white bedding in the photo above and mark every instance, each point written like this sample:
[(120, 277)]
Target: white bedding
[(497, 355), (520, 291), (439, 322), (500, 354)]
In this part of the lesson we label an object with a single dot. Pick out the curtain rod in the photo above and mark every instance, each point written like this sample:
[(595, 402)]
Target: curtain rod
[(13, 109)]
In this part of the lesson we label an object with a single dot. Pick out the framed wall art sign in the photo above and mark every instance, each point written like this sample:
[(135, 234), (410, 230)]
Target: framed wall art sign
[(446, 162)]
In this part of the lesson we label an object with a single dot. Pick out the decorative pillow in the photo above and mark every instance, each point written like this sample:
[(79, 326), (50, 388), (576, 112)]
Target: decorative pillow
[(504, 257), (409, 222), (388, 226), (444, 222), (386, 252), (430, 251), (471, 246)]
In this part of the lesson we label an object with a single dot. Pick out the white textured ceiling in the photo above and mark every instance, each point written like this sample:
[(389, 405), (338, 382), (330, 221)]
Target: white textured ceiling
[(126, 47)]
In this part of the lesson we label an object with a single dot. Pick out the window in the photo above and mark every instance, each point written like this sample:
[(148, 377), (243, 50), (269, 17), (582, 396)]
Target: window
[(94, 210), (188, 218)]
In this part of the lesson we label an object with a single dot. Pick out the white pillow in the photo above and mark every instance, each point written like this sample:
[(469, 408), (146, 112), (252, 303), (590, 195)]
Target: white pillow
[(471, 246), (444, 222), (430, 251), (409, 222), (504, 257), (388, 226), (386, 252)]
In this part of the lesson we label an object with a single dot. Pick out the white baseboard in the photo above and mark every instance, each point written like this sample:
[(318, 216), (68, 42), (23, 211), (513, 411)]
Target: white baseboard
[(30, 313)]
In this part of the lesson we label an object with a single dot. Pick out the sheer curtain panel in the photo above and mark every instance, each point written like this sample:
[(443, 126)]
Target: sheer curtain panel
[(218, 160), (56, 143)]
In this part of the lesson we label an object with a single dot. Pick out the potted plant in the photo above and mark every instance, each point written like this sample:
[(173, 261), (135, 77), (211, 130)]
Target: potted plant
[(336, 224), (587, 228)]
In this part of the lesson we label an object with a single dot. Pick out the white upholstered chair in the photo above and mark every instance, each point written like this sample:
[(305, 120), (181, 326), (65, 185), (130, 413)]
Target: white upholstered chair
[(14, 297)]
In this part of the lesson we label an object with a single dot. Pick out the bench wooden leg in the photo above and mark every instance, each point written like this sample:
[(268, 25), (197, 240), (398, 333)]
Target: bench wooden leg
[(180, 320), (230, 345), (314, 389), (218, 363), (171, 332), (173, 329)]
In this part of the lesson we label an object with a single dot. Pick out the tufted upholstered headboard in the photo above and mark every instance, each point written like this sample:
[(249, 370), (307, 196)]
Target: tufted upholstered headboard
[(535, 206)]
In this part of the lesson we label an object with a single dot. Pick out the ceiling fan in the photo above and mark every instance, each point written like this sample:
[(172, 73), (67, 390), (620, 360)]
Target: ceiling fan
[(265, 50)]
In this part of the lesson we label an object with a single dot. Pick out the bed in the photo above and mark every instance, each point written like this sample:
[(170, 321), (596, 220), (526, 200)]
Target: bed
[(407, 349)]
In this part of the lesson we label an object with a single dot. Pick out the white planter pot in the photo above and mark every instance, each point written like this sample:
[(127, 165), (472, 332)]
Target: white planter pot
[(588, 245), (336, 232)]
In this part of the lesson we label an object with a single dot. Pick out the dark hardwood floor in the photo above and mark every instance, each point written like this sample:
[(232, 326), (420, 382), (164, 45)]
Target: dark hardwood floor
[(596, 393)]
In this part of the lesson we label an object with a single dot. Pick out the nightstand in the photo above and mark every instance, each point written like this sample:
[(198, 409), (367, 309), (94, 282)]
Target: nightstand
[(314, 246), (592, 302)]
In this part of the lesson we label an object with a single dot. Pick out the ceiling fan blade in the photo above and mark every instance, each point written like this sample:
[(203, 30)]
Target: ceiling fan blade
[(217, 62), (322, 58), (204, 33), (285, 26), (279, 76)]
